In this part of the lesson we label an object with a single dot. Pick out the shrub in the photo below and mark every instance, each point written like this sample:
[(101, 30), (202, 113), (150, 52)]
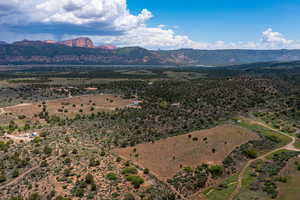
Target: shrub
[(270, 188), (21, 117), (129, 171), (2, 178), (78, 192), (47, 150), (273, 138), (89, 179), (281, 179), (62, 198), (34, 196), (163, 105), (146, 171), (79, 189), (216, 170), (15, 173), (67, 161), (188, 169), (136, 181), (111, 176), (94, 162), (118, 159), (4, 146), (93, 187), (67, 172), (74, 151), (250, 153), (129, 196), (16, 198), (44, 164), (127, 163), (44, 134)]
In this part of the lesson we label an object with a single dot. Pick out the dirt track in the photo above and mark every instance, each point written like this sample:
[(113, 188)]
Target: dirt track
[(21, 176)]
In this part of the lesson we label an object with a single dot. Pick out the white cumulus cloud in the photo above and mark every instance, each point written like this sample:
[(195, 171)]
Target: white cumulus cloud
[(271, 39), (109, 22), (163, 38), (114, 14)]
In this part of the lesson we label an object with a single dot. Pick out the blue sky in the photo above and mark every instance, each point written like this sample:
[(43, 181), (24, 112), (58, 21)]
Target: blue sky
[(156, 24), (228, 20)]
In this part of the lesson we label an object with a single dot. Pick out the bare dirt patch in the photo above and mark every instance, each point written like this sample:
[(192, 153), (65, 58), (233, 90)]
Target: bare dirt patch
[(165, 157)]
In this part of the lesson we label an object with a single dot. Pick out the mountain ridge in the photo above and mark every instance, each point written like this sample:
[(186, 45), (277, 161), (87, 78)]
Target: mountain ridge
[(83, 51)]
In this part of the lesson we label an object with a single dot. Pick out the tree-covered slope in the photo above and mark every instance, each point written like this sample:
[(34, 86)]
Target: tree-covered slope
[(36, 52)]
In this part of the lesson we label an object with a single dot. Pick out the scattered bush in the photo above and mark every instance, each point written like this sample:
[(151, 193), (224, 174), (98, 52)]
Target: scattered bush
[(35, 196), (94, 162), (89, 179), (15, 173), (47, 150), (136, 181), (146, 171), (129, 171), (250, 153), (111, 176), (216, 170), (128, 196), (2, 178)]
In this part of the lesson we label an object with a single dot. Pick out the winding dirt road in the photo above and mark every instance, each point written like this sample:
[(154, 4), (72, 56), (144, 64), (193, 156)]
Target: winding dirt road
[(290, 146)]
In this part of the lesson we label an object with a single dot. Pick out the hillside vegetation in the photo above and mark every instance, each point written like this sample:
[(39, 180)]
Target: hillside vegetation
[(36, 52)]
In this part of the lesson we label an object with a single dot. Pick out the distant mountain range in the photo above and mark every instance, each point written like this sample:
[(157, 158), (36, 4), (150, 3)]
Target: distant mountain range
[(83, 51)]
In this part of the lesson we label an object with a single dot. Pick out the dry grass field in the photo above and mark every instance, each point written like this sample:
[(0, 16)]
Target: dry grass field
[(69, 107), (165, 157)]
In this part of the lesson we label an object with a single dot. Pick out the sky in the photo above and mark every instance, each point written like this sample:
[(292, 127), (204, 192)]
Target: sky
[(156, 24)]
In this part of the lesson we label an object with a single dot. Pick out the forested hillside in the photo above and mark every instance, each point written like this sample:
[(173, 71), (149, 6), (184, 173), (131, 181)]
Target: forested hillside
[(37, 52)]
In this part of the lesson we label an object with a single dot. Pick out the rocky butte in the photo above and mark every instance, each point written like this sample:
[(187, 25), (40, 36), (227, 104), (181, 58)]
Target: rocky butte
[(79, 42)]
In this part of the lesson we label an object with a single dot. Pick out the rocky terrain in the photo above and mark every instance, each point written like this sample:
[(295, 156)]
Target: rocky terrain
[(79, 42)]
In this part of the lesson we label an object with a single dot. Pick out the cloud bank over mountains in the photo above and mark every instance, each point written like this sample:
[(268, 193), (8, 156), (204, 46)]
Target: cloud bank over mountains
[(107, 22)]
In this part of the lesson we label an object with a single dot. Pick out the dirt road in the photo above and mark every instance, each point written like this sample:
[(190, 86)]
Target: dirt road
[(21, 176)]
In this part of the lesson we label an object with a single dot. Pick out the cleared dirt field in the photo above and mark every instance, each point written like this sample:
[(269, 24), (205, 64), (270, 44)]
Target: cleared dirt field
[(70, 106), (164, 158)]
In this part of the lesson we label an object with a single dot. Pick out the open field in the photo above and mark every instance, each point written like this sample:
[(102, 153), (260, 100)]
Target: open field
[(211, 146), (67, 107)]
